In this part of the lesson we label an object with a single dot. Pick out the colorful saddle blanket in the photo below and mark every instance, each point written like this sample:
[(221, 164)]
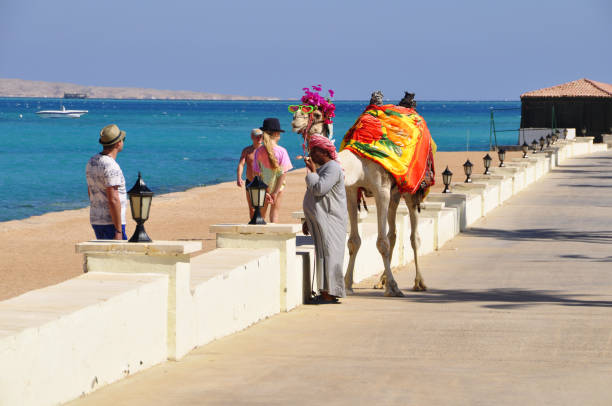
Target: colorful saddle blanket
[(398, 139)]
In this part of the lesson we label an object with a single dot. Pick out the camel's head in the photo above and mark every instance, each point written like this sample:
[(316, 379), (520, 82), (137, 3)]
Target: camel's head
[(315, 114), (301, 121)]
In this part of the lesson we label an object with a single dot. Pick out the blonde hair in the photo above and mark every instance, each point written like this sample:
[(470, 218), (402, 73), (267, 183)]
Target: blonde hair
[(269, 146)]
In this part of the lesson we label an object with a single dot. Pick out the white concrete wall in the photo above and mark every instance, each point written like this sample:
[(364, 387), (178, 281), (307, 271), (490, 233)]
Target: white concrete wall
[(65, 340), (599, 148), (487, 191), (368, 231), (468, 207), (503, 182), (276, 236), (583, 146), (426, 232), (516, 175), (232, 289)]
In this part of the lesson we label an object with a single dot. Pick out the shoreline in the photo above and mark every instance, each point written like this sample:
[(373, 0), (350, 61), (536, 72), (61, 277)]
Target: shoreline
[(39, 251), (458, 170)]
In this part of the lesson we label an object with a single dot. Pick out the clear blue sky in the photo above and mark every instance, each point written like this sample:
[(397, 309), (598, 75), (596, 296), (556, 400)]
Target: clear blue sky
[(439, 49)]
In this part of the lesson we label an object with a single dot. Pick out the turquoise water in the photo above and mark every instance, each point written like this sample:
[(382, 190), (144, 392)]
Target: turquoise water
[(178, 144)]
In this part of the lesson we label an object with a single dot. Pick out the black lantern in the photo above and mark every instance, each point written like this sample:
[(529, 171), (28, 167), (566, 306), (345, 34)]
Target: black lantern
[(257, 192), (525, 149), (542, 142), (447, 175), (501, 153), (487, 163), (534, 146), (467, 168), (140, 203)]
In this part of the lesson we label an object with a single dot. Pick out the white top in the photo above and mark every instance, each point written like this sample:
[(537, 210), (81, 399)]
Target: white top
[(103, 171)]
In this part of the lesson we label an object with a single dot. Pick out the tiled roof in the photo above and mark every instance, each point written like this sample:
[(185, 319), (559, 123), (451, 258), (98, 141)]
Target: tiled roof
[(577, 88)]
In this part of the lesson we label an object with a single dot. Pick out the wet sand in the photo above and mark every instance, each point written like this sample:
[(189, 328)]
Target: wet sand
[(39, 251)]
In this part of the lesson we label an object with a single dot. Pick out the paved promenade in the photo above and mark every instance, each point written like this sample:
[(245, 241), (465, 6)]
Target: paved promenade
[(519, 312)]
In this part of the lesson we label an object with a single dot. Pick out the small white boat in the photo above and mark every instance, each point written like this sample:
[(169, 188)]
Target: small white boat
[(62, 113)]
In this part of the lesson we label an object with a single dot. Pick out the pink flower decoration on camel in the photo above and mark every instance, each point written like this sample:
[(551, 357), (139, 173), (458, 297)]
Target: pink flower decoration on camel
[(325, 105)]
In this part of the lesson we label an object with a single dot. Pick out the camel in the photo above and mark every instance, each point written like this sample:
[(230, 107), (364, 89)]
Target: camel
[(362, 173)]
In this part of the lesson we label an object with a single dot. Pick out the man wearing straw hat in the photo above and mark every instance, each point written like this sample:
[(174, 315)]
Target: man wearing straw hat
[(106, 187)]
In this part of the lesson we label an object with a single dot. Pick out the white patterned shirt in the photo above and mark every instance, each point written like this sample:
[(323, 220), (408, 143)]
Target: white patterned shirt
[(103, 171)]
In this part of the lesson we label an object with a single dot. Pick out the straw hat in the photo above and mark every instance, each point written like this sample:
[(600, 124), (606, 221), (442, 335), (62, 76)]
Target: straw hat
[(111, 134)]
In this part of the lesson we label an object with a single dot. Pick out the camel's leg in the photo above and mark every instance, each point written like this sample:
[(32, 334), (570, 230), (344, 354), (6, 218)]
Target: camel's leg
[(391, 234), (382, 242), (354, 241), (419, 283)]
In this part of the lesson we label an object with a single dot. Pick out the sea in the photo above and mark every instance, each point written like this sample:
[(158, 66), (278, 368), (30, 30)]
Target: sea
[(180, 144)]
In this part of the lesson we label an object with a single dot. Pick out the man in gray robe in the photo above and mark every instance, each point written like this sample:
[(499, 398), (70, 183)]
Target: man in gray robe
[(326, 217)]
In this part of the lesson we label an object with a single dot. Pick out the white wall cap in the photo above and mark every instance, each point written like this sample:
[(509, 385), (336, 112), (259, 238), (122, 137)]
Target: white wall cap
[(447, 196), (530, 158), (222, 260), (148, 248), (432, 205), (496, 177), (469, 186), (584, 139), (40, 306), (270, 229), (519, 164), (505, 169)]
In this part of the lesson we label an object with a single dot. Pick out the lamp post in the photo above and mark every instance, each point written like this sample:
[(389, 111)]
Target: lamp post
[(467, 168), (525, 149), (487, 163), (447, 175), (257, 192), (140, 203), (542, 143), (501, 153), (534, 146)]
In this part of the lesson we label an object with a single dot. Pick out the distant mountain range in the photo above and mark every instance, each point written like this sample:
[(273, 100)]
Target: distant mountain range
[(31, 88)]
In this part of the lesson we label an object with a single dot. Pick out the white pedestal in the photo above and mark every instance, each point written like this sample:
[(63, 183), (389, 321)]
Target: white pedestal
[(279, 236)]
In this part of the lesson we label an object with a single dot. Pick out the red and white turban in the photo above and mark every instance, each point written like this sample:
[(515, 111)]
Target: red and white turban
[(321, 142)]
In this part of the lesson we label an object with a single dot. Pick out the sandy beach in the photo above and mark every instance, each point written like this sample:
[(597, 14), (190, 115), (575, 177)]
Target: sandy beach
[(39, 251)]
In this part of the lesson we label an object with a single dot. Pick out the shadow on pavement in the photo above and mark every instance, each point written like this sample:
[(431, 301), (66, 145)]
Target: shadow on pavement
[(498, 298), (584, 185), (556, 171), (586, 258), (532, 234)]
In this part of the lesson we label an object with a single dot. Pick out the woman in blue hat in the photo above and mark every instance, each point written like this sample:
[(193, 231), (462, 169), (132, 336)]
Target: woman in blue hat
[(272, 164)]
